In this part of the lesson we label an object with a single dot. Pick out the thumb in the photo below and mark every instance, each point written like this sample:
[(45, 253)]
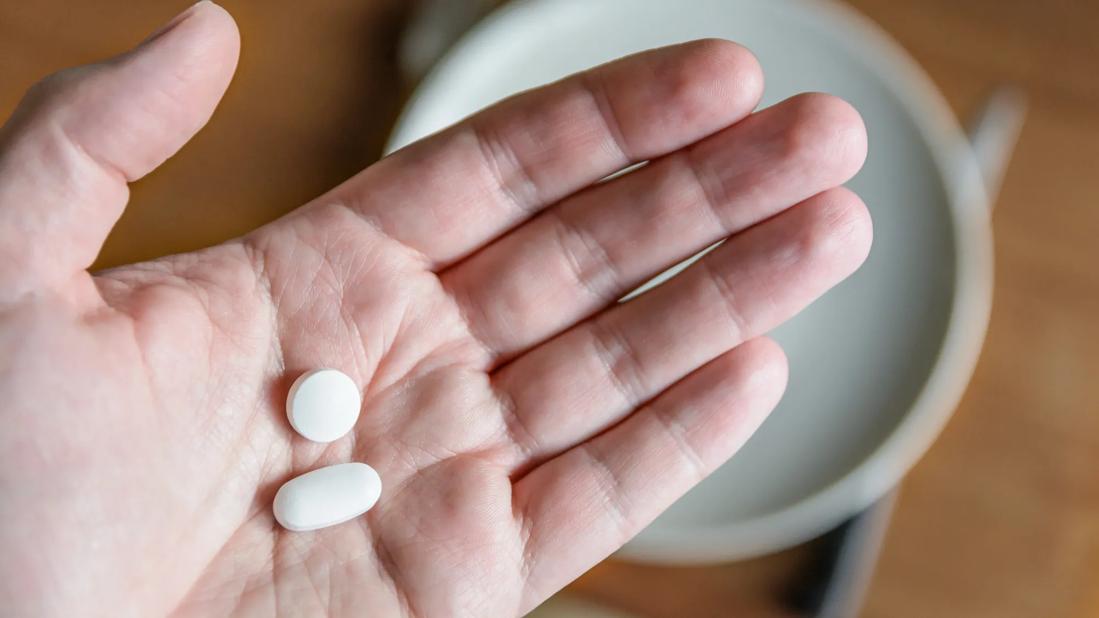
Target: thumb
[(80, 135)]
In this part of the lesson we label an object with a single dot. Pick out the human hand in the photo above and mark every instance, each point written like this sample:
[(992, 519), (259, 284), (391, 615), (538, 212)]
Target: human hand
[(524, 424)]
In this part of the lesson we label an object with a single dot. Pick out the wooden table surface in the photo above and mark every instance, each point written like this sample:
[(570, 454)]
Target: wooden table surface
[(1000, 519)]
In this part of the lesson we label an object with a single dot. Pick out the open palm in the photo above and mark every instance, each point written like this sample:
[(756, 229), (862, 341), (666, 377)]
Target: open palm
[(524, 423)]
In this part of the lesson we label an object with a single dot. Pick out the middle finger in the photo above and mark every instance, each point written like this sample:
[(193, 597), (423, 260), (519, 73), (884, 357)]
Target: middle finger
[(585, 252)]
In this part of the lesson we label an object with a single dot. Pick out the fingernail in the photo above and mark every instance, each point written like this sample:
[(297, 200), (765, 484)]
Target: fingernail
[(175, 21)]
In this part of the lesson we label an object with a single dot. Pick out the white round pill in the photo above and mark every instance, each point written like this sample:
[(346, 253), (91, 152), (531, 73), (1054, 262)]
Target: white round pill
[(327, 496), (323, 405)]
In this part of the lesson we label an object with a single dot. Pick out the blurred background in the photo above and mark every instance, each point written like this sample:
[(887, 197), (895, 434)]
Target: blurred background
[(1000, 518)]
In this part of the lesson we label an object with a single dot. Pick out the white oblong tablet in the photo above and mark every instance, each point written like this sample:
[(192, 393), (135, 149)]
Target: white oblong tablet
[(327, 496), (323, 405)]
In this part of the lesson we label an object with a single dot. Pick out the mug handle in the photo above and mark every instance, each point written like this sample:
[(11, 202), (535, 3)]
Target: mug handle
[(993, 132)]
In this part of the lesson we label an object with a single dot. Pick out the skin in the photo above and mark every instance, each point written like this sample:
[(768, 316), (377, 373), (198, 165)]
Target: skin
[(525, 425)]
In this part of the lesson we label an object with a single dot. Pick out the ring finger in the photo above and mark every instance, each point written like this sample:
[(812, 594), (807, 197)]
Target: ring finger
[(593, 375)]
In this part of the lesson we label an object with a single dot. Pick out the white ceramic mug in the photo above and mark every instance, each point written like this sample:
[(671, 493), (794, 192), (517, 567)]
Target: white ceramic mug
[(877, 365)]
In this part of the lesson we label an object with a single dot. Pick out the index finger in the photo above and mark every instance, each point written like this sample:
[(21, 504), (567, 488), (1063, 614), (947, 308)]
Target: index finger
[(451, 193)]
